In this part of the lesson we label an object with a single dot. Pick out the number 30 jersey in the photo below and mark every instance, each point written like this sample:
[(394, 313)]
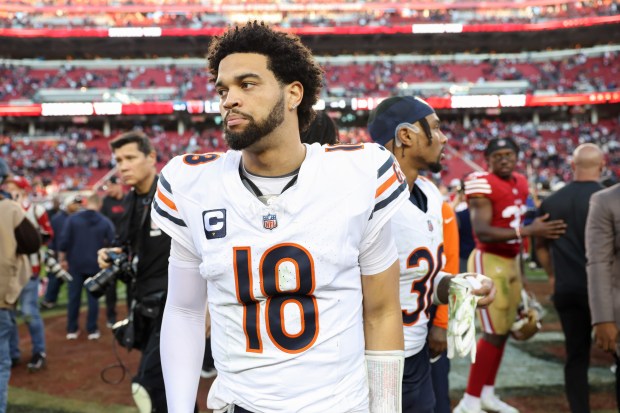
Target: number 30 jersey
[(283, 279), (419, 240), (508, 198)]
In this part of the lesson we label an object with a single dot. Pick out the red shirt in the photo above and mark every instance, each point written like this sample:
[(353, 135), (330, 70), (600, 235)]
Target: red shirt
[(508, 197)]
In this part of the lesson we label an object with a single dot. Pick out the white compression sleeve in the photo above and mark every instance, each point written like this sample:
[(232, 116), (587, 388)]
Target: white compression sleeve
[(183, 331), (385, 379)]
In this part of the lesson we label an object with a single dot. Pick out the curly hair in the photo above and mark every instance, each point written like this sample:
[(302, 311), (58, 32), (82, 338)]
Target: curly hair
[(287, 57)]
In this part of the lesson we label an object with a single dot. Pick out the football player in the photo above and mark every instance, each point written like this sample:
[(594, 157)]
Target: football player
[(496, 202), (409, 128), (292, 242)]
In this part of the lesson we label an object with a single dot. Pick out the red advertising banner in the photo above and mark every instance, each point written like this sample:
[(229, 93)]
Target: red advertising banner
[(363, 103)]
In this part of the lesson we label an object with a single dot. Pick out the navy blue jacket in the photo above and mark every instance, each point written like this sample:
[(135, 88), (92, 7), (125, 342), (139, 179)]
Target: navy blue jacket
[(83, 234), (58, 222)]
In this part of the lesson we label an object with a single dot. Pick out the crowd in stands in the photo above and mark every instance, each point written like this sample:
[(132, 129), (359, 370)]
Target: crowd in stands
[(577, 73), (208, 15), (77, 157)]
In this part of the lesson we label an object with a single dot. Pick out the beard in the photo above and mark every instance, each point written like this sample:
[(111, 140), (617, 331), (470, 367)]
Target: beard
[(435, 167), (255, 131)]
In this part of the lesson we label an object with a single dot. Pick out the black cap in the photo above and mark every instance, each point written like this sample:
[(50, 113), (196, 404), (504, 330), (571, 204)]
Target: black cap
[(497, 144), (394, 111)]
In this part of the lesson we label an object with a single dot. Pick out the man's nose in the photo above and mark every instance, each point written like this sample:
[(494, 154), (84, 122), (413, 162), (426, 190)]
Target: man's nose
[(231, 100)]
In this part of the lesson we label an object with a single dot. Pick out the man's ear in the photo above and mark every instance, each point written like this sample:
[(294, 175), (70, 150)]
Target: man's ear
[(407, 134), (152, 158), (295, 93)]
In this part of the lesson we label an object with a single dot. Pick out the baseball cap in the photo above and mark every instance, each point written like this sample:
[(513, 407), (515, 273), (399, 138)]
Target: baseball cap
[(73, 199), (497, 144), (394, 111), (20, 182)]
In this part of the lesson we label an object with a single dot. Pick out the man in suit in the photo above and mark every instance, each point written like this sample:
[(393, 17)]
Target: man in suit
[(603, 254)]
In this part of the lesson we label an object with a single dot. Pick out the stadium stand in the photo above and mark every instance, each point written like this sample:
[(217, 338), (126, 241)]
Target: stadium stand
[(76, 158), (591, 70), (193, 14)]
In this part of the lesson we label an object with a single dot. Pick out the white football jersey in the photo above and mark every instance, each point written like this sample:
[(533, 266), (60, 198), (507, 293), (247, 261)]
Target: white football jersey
[(284, 279), (419, 239)]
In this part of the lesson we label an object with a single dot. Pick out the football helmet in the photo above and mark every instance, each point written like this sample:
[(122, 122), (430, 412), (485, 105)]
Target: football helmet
[(529, 316)]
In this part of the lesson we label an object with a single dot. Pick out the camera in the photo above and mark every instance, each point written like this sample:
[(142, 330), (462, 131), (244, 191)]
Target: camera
[(54, 268), (121, 267)]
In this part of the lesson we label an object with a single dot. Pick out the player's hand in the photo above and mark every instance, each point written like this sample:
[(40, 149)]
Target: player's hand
[(486, 292), (540, 227), (102, 256), (606, 336), (437, 340)]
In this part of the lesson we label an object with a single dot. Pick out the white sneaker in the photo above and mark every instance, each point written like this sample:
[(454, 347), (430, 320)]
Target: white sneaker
[(494, 404), (461, 408), (73, 336), (207, 374), (94, 336)]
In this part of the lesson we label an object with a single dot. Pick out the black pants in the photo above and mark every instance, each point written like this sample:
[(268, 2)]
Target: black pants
[(440, 371), (207, 361), (418, 394), (150, 375), (110, 303), (574, 313)]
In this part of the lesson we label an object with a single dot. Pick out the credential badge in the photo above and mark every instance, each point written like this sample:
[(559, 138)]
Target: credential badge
[(270, 221)]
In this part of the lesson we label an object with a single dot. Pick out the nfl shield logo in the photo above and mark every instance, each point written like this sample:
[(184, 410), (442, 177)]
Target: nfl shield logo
[(270, 221), (430, 225)]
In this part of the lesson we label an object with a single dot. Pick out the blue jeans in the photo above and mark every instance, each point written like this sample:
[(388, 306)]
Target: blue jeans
[(29, 309), (6, 328), (14, 339), (75, 301)]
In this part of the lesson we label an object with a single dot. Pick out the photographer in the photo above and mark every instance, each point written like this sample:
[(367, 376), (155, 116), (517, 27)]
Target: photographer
[(147, 248)]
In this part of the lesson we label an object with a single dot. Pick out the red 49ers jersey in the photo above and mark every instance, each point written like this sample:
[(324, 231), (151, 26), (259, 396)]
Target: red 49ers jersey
[(508, 198)]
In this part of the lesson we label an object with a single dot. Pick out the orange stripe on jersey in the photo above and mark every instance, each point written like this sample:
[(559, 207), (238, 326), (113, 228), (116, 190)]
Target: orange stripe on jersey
[(163, 198), (384, 186)]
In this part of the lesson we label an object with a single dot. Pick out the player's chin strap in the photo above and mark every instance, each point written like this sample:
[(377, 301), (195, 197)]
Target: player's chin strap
[(385, 378), (462, 315)]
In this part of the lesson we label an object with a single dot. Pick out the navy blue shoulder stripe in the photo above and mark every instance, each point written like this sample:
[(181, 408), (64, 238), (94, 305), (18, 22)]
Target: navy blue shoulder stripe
[(164, 214), (393, 196), (165, 183), (387, 165)]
